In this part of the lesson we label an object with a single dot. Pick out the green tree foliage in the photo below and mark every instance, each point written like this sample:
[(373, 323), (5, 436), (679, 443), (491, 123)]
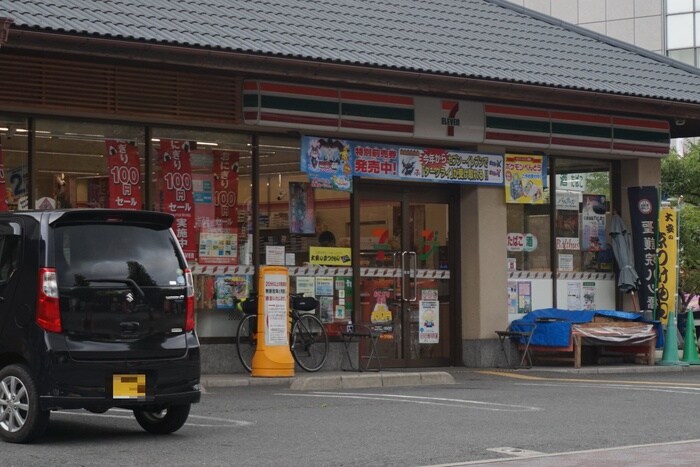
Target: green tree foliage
[(680, 180)]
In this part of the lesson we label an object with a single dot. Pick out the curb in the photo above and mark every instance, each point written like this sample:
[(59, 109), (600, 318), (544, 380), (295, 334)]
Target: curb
[(333, 380)]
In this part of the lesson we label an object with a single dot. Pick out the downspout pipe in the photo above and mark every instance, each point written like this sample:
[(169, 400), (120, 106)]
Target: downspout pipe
[(5, 24)]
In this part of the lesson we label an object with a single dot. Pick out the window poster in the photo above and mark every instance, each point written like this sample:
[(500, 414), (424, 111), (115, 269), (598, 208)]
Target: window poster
[(512, 297), (326, 308), (203, 193), (218, 246), (567, 221), (573, 296), (176, 192), (302, 212), (274, 255), (566, 262), (328, 163), (223, 290), (306, 285), (588, 289), (524, 179), (324, 286), (124, 174), (593, 223), (428, 322), (524, 297)]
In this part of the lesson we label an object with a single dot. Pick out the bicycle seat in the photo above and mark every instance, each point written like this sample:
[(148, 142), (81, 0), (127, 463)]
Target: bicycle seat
[(301, 303)]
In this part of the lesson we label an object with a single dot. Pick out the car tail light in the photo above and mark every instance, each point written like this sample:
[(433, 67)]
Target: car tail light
[(48, 315), (189, 301)]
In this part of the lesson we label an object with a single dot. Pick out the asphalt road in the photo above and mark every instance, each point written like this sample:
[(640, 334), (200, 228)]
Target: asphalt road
[(485, 416)]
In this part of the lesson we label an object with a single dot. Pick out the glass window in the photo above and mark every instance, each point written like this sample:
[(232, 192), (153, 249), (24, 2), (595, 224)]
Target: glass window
[(305, 228), (684, 55), (13, 157), (680, 31), (203, 178), (679, 6), (73, 167)]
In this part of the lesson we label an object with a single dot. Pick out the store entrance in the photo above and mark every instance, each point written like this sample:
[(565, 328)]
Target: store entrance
[(405, 259)]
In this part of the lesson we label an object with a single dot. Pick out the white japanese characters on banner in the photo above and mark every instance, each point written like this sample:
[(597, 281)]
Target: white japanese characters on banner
[(124, 174), (176, 192)]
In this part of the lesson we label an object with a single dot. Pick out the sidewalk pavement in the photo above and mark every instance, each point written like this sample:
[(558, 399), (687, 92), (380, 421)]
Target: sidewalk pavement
[(329, 380)]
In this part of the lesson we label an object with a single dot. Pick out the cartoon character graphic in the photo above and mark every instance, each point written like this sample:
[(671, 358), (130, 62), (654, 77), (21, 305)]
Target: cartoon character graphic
[(381, 313)]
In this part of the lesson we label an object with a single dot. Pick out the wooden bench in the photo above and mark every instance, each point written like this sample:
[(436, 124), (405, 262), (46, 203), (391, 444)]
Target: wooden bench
[(630, 336)]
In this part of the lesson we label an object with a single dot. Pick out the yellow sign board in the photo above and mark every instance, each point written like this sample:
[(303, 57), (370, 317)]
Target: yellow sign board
[(330, 256), (668, 262)]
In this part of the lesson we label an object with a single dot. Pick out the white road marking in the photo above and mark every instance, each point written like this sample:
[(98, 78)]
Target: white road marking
[(130, 416), (516, 452), (626, 387), (440, 401)]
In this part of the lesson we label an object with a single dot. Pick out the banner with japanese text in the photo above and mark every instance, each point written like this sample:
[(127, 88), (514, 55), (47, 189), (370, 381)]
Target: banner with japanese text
[(524, 179), (225, 169), (644, 217), (668, 262), (3, 193), (331, 163), (593, 223), (124, 174), (176, 192)]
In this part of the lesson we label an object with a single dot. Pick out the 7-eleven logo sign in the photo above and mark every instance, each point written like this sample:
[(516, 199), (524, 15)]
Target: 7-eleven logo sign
[(449, 117)]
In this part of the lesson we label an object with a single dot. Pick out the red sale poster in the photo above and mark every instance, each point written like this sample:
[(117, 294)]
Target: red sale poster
[(225, 170), (124, 175), (176, 194), (3, 194)]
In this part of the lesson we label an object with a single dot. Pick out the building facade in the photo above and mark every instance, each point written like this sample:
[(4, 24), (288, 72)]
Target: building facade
[(458, 190)]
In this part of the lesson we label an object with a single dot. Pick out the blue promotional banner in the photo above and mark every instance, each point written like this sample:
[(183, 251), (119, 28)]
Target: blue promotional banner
[(328, 162), (644, 216), (331, 163)]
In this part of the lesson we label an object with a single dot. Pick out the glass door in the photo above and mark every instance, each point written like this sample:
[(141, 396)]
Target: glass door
[(402, 233)]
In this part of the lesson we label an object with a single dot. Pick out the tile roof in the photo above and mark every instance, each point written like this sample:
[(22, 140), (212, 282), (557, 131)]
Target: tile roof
[(488, 39)]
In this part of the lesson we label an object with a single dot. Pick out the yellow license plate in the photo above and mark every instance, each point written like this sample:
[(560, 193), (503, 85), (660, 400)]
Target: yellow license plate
[(129, 386)]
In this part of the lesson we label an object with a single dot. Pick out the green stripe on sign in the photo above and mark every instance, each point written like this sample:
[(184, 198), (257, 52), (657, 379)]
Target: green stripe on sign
[(516, 124), (300, 105), (639, 135), (374, 111), (581, 130), (250, 100)]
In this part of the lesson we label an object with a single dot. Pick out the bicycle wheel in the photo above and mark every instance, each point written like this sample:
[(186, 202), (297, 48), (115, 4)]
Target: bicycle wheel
[(309, 342), (247, 340)]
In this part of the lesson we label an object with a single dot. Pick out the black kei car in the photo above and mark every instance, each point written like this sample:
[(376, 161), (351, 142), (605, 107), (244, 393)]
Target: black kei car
[(96, 311)]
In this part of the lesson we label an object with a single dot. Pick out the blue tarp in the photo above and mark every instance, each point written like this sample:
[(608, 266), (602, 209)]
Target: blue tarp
[(553, 325)]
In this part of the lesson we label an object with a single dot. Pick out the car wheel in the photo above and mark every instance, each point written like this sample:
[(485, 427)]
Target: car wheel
[(163, 421), (21, 419)]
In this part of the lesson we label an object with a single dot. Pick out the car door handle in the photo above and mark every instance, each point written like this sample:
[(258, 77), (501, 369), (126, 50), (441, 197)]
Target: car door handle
[(129, 326)]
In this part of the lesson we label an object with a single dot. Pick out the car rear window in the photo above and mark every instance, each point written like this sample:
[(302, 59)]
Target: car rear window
[(147, 256)]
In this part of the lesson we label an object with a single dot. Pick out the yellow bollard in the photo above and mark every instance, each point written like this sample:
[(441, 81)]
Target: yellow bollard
[(273, 358)]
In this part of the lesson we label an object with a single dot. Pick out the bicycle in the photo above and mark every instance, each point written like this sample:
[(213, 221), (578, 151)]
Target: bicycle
[(308, 339)]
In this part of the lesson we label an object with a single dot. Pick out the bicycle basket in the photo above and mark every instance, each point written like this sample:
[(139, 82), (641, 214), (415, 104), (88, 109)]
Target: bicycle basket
[(304, 303)]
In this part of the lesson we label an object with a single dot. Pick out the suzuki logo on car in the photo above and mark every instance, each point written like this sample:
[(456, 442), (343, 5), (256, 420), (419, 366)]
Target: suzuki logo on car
[(129, 297)]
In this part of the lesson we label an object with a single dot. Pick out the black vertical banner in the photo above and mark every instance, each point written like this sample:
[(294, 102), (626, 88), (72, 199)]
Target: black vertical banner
[(644, 216)]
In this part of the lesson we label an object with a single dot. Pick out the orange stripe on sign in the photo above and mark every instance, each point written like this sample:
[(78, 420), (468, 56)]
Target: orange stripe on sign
[(502, 109), (640, 148), (300, 90), (372, 97), (634, 122), (576, 117)]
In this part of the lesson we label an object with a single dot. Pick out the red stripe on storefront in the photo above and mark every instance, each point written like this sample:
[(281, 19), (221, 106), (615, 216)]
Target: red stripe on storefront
[(576, 117), (581, 143), (640, 148), (284, 118), (299, 90), (502, 109), (498, 136), (633, 122), (253, 115), (371, 97), (364, 125)]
